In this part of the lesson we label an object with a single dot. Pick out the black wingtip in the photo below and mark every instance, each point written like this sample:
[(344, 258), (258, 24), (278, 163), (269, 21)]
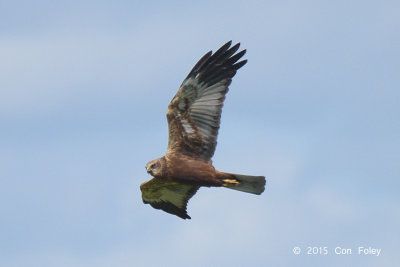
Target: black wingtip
[(215, 67), (240, 64), (232, 50), (200, 63), (228, 43)]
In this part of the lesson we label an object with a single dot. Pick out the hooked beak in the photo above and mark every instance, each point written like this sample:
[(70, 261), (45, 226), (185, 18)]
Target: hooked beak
[(148, 170)]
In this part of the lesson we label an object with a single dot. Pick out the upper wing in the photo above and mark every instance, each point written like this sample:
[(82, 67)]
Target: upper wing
[(169, 196), (194, 113)]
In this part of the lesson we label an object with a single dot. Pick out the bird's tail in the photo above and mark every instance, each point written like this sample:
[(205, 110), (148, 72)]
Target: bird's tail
[(245, 183)]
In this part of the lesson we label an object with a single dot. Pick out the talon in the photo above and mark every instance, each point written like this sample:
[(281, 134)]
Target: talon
[(230, 181)]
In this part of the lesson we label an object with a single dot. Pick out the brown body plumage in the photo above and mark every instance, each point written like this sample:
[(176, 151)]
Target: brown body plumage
[(186, 168)]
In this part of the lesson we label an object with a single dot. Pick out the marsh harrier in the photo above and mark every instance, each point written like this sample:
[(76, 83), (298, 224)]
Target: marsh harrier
[(194, 116)]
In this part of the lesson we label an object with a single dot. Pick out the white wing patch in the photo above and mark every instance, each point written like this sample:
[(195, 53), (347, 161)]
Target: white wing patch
[(187, 127)]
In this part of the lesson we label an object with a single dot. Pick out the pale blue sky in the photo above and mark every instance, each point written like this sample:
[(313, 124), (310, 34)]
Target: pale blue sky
[(84, 86)]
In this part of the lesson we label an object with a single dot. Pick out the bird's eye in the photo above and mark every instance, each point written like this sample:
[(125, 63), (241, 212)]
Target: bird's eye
[(152, 166)]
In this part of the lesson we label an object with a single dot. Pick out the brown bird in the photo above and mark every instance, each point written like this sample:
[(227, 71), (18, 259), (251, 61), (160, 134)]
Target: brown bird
[(194, 116)]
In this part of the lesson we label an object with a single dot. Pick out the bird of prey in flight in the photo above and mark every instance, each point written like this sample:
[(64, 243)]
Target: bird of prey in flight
[(194, 115)]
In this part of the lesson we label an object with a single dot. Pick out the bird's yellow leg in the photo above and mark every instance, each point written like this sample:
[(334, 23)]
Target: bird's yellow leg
[(230, 182)]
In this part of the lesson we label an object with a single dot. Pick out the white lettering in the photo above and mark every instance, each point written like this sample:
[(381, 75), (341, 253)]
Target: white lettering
[(369, 251), (343, 251)]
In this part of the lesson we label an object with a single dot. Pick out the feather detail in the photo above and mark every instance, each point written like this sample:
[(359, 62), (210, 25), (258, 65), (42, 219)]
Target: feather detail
[(194, 113)]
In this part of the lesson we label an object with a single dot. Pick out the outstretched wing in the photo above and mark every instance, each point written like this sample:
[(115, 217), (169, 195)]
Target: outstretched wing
[(169, 196), (194, 113)]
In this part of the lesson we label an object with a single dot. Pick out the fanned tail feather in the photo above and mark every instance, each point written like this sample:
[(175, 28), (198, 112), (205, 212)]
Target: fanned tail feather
[(246, 183)]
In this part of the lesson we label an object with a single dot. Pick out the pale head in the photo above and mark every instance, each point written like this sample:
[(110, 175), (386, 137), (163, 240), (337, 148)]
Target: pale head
[(155, 167)]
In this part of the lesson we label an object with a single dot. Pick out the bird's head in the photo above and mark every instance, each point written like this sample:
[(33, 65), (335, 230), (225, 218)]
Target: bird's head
[(154, 167)]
